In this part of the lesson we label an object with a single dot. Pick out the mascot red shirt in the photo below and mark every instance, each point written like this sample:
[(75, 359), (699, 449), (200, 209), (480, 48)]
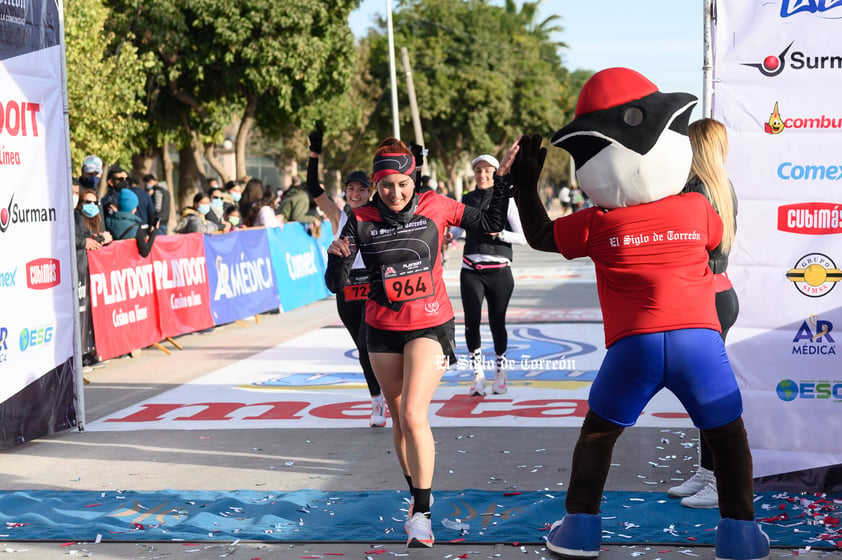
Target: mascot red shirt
[(649, 245)]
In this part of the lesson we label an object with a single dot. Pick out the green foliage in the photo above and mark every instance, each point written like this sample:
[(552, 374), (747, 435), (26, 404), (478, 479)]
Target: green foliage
[(278, 64), (105, 76), (483, 74)]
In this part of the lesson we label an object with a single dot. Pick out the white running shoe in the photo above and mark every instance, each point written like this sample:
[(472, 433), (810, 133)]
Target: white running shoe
[(499, 386), (419, 532), (699, 480), (478, 386), (378, 412), (706, 498)]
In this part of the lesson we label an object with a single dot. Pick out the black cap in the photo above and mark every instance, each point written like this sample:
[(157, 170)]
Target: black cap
[(357, 175)]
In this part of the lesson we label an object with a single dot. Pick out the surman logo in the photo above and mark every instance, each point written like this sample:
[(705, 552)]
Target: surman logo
[(772, 65)]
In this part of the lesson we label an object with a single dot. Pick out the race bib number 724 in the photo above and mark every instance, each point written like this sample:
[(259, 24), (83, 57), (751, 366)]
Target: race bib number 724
[(407, 281)]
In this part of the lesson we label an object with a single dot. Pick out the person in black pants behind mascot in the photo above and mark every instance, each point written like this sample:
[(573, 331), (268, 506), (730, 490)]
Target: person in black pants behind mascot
[(649, 245), (708, 177), (487, 274), (350, 298)]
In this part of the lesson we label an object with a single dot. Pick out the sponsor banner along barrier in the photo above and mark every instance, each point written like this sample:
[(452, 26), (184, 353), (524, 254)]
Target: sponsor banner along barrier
[(240, 275), (37, 284), (181, 284), (777, 74), (191, 282), (299, 262)]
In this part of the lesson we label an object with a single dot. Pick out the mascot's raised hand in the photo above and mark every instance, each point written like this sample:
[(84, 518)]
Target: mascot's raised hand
[(529, 162)]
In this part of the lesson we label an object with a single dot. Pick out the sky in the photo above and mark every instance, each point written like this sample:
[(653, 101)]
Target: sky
[(661, 39)]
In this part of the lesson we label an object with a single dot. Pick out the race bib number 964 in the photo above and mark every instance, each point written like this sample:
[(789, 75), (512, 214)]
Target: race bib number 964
[(407, 281)]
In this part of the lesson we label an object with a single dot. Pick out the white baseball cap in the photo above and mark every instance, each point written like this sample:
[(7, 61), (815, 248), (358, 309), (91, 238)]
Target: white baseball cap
[(487, 159)]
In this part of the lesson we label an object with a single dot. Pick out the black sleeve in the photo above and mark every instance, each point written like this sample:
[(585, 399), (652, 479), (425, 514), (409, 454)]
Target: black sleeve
[(338, 267), (493, 219), (81, 230), (145, 238), (537, 225), (313, 186)]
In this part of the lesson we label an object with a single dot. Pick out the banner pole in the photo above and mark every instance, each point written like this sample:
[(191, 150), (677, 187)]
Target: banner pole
[(707, 63)]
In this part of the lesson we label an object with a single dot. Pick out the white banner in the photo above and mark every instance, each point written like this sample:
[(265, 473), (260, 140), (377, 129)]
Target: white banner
[(777, 74), (36, 280)]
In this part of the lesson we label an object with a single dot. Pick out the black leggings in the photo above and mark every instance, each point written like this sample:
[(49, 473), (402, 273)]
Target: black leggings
[(496, 286), (727, 309), (352, 314)]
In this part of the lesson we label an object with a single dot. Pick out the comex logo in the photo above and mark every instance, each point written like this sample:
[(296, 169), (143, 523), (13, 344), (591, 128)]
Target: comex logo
[(789, 390), (813, 337), (814, 275)]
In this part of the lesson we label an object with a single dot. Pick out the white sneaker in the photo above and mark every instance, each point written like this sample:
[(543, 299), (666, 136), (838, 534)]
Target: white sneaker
[(702, 478), (499, 386), (378, 412), (706, 498), (478, 386), (419, 532)]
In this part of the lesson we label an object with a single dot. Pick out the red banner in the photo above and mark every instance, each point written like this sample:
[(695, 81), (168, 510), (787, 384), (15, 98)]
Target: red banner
[(123, 303), (181, 284)]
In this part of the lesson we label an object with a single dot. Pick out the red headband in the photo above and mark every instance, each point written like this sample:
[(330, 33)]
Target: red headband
[(387, 164)]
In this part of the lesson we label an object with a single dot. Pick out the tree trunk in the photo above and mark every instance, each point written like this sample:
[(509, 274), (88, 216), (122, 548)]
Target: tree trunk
[(243, 135), (189, 176), (166, 161)]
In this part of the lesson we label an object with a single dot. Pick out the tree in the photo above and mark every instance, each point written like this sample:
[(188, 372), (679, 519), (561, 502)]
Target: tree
[(105, 76), (482, 76), (276, 64)]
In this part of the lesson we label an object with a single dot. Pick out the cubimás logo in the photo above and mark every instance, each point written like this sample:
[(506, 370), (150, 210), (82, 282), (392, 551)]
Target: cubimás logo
[(814, 275), (37, 336), (813, 337), (42, 274), (777, 124), (810, 218), (773, 65), (789, 390)]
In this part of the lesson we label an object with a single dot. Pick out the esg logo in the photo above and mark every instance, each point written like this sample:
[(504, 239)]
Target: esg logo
[(789, 390), (35, 337)]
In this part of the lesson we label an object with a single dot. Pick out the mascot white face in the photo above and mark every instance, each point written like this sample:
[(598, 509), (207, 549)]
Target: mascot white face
[(628, 140)]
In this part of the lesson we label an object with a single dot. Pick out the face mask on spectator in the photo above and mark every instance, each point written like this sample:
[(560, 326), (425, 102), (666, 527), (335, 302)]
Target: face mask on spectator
[(121, 184), (217, 203), (235, 196), (90, 209), (89, 181), (235, 220), (75, 200), (204, 209)]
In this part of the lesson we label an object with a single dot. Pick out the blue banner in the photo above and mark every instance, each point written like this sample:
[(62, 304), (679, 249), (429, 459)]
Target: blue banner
[(240, 275), (299, 261)]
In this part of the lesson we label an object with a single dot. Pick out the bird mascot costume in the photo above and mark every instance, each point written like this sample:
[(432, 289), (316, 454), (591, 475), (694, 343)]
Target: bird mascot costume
[(649, 245)]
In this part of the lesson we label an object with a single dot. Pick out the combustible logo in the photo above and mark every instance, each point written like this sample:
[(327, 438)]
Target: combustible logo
[(773, 65), (789, 390), (810, 218), (42, 274), (814, 275), (777, 124), (813, 338)]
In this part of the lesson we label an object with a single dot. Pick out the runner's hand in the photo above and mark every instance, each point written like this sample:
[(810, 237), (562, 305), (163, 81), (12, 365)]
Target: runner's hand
[(340, 247), (528, 162), (316, 138)]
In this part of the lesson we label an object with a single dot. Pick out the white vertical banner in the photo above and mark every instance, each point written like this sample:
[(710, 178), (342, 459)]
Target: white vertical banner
[(37, 280), (777, 78)]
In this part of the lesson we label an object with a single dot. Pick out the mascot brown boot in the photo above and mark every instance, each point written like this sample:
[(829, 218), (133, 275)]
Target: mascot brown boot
[(579, 533), (738, 537)]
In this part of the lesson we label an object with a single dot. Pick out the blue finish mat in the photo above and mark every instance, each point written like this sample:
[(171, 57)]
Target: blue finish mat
[(470, 516)]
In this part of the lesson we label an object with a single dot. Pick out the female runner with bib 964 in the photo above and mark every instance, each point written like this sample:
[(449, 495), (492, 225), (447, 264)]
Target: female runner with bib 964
[(409, 318)]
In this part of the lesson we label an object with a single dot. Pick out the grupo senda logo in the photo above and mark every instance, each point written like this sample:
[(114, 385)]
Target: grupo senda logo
[(814, 275), (789, 390)]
